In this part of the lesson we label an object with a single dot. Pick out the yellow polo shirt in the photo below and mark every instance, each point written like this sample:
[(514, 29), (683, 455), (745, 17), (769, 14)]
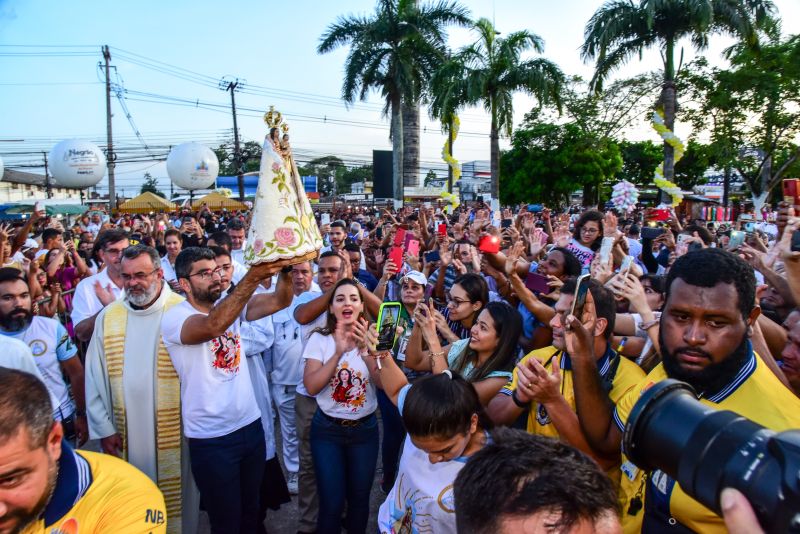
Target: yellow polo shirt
[(100, 494), (627, 376), (755, 393)]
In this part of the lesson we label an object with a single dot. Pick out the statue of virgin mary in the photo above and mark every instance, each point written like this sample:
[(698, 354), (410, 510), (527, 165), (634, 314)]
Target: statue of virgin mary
[(282, 226)]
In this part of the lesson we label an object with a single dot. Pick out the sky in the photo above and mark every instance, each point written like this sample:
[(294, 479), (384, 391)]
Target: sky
[(51, 88)]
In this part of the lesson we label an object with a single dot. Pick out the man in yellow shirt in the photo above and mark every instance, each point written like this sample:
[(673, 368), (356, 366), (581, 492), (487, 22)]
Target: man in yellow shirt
[(542, 383), (704, 337), (46, 486)]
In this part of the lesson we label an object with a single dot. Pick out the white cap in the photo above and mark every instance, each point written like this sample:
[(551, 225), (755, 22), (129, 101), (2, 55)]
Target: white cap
[(30, 243), (417, 277)]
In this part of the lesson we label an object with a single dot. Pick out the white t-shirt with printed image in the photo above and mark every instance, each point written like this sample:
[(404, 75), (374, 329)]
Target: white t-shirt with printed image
[(350, 393), (216, 393)]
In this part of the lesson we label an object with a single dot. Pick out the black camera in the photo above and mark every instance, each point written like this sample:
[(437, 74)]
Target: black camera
[(707, 450)]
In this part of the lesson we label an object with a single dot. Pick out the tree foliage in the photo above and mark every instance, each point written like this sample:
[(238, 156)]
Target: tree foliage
[(151, 184), (751, 112), (639, 161), (251, 157), (623, 29), (394, 52), (547, 162), (491, 70)]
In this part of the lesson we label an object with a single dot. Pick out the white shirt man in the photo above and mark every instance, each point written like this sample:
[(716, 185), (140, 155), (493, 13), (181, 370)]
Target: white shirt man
[(220, 413), (287, 368), (92, 294)]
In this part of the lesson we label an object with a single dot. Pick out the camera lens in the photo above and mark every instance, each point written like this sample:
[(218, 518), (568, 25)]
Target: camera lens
[(706, 450)]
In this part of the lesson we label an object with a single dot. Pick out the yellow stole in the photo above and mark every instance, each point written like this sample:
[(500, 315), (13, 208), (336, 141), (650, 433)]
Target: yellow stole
[(167, 402)]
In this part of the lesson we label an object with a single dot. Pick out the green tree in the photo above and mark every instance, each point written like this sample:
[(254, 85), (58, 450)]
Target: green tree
[(447, 97), (430, 177), (393, 52), (151, 184), (752, 113), (347, 177), (690, 170), (328, 170), (639, 161), (492, 70), (251, 158), (548, 162), (622, 29), (767, 87), (711, 107)]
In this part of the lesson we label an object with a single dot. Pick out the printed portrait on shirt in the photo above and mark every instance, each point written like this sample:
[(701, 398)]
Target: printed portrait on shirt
[(227, 352), (348, 388)]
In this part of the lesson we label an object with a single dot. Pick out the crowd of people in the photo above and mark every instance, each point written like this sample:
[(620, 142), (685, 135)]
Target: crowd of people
[(501, 408)]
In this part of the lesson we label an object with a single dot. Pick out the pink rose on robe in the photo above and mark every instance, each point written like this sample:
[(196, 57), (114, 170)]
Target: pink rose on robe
[(258, 245), (276, 168), (285, 237)]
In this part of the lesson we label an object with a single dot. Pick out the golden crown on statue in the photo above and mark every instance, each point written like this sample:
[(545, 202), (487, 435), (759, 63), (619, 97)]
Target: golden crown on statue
[(273, 118)]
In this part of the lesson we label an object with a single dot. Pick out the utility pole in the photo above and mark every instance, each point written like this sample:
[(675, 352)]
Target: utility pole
[(233, 86), (110, 156), (47, 189)]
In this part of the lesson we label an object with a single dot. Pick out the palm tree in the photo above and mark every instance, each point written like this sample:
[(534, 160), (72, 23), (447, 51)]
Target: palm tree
[(491, 70), (620, 29), (446, 98), (394, 52)]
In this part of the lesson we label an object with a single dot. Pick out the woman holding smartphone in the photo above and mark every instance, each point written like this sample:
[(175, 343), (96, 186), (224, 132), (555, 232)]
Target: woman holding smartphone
[(485, 359), (344, 430), (446, 426)]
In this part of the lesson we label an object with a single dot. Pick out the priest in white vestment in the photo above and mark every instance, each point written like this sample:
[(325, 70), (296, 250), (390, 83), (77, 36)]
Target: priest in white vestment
[(132, 390)]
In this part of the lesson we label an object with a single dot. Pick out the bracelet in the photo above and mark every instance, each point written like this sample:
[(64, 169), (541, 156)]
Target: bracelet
[(649, 324), (516, 400), (432, 357)]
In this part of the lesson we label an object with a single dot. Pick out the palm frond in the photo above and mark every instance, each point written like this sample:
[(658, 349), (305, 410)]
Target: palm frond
[(342, 32)]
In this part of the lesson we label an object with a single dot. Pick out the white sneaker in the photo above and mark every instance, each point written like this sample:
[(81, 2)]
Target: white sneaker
[(291, 483)]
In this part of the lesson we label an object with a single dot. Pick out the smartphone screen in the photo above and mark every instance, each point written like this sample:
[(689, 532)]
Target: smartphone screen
[(325, 218), (399, 237), (396, 255), (413, 248), (737, 239), (428, 293), (433, 255), (489, 244), (537, 283), (506, 223), (388, 317), (625, 267), (579, 299)]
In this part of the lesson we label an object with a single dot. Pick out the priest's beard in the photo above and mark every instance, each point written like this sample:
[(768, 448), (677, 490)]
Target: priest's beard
[(143, 296), (714, 377), (16, 320), (26, 517)]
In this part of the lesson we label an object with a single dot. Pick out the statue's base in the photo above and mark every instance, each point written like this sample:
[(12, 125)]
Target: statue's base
[(310, 256)]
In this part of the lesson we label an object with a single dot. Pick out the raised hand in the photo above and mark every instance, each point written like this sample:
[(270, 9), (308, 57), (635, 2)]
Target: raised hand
[(513, 256), (104, 294), (561, 236), (534, 383), (610, 225)]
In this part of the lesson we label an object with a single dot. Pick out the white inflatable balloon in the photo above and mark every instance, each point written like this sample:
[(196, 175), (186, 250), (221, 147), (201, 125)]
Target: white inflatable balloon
[(77, 164), (192, 166)]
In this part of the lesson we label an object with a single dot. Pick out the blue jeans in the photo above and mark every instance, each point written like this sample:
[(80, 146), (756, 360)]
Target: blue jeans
[(344, 463), (393, 435), (228, 471)]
